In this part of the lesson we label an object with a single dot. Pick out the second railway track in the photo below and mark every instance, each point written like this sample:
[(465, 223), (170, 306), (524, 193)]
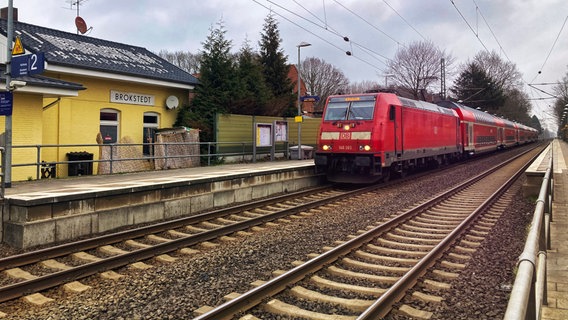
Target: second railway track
[(364, 277)]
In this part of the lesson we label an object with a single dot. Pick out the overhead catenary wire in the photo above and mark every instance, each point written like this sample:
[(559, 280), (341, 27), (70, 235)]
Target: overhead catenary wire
[(369, 23), (320, 37), (491, 30), (408, 23), (552, 48), (469, 25), (328, 28)]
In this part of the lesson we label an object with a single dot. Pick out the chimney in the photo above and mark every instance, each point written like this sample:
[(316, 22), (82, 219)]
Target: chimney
[(4, 13)]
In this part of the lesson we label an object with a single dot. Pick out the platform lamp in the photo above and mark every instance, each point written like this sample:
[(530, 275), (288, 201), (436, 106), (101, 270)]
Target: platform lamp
[(299, 118)]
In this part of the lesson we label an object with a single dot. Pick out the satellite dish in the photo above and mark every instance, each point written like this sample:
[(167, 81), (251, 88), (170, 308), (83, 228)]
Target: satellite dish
[(172, 102), (81, 25)]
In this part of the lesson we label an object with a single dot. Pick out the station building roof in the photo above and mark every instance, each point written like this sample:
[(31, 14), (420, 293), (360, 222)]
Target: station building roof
[(64, 51)]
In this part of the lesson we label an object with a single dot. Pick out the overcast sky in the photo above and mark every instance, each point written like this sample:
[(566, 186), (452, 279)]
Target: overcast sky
[(526, 32)]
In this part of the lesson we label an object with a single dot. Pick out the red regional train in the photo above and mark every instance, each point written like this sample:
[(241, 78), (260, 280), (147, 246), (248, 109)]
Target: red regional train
[(364, 138)]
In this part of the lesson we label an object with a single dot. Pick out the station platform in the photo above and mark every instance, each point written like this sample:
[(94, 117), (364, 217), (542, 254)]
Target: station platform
[(49, 211), (557, 256), (38, 189)]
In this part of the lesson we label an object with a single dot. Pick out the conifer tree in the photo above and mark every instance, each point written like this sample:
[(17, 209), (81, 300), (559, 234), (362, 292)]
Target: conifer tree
[(216, 88), (252, 92), (275, 68), (476, 89)]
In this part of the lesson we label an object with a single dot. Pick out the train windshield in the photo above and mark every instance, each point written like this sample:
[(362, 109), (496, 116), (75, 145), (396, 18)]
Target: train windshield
[(350, 110)]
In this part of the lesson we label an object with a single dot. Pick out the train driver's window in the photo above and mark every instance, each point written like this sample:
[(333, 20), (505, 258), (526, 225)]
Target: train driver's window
[(362, 110), (336, 111), (392, 112)]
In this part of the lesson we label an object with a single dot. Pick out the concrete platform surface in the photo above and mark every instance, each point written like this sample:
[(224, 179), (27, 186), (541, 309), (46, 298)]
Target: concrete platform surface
[(557, 256), (73, 185)]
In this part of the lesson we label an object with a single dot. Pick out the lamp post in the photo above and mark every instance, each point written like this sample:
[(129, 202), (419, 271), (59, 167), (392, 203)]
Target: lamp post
[(300, 118)]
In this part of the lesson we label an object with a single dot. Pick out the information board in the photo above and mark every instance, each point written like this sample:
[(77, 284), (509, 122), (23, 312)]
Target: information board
[(263, 134), (6, 99), (280, 131)]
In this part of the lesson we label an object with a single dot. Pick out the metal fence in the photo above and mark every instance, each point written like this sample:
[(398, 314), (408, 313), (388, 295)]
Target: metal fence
[(529, 290), (211, 153)]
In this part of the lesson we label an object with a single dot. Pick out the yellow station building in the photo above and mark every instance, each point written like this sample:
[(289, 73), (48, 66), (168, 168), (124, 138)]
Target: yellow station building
[(90, 87)]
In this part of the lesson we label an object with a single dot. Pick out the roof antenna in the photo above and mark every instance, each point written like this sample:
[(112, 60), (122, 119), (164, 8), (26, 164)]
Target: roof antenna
[(79, 22)]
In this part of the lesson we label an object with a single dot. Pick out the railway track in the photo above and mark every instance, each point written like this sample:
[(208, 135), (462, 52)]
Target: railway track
[(365, 277), (35, 271)]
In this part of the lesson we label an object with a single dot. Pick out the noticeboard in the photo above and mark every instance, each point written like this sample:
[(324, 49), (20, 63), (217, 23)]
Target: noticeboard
[(280, 131), (263, 134)]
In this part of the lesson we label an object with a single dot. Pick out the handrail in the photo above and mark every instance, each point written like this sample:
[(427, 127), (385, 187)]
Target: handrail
[(242, 150), (529, 290)]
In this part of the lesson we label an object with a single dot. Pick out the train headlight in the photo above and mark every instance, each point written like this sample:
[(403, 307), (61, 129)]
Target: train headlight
[(346, 127), (325, 147), (365, 147)]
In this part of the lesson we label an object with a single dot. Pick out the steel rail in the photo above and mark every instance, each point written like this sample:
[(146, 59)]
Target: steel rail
[(51, 280), (279, 283), (383, 305), (81, 245)]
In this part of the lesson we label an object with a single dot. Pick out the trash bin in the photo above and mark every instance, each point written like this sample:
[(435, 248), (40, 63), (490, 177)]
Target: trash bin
[(306, 153), (80, 168)]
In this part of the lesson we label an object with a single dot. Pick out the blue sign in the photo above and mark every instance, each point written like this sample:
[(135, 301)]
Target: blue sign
[(310, 98), (27, 64), (6, 103)]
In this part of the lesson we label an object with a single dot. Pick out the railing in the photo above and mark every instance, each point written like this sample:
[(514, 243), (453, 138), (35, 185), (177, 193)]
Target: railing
[(529, 290), (3, 163), (242, 151)]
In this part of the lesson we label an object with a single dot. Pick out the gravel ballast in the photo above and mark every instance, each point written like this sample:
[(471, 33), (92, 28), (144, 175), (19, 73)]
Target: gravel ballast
[(175, 290)]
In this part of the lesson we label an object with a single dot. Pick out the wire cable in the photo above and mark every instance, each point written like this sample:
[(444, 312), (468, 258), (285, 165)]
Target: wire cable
[(405, 20), (491, 30), (331, 30), (470, 27), (370, 24), (552, 48)]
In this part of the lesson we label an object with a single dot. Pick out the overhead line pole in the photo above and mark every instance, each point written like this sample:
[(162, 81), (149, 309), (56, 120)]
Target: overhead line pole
[(7, 170)]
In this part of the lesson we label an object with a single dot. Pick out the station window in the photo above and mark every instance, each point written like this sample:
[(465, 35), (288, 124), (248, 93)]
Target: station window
[(109, 123), (151, 123)]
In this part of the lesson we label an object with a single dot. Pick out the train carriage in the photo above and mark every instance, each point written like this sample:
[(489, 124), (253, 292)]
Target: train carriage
[(481, 132), (511, 134), (366, 137)]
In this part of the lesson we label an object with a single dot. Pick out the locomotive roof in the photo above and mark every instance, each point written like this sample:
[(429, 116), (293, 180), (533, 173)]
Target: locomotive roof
[(425, 106)]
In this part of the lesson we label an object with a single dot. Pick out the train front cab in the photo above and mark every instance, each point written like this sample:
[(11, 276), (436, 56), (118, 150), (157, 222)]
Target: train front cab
[(352, 140), (345, 149)]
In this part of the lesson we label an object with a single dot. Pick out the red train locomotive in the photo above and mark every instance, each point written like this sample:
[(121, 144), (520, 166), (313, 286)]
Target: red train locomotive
[(368, 137)]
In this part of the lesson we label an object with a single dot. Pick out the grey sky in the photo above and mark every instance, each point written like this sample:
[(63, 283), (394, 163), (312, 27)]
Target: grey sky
[(525, 30)]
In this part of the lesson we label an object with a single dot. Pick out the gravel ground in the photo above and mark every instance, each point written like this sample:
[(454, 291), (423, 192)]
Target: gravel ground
[(175, 290)]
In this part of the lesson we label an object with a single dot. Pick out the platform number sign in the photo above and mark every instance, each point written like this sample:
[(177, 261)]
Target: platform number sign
[(28, 64)]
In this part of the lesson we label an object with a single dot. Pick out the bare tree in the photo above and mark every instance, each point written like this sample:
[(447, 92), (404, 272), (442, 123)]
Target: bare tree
[(185, 60), (505, 74), (363, 86), (322, 79), (418, 66), (561, 103)]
